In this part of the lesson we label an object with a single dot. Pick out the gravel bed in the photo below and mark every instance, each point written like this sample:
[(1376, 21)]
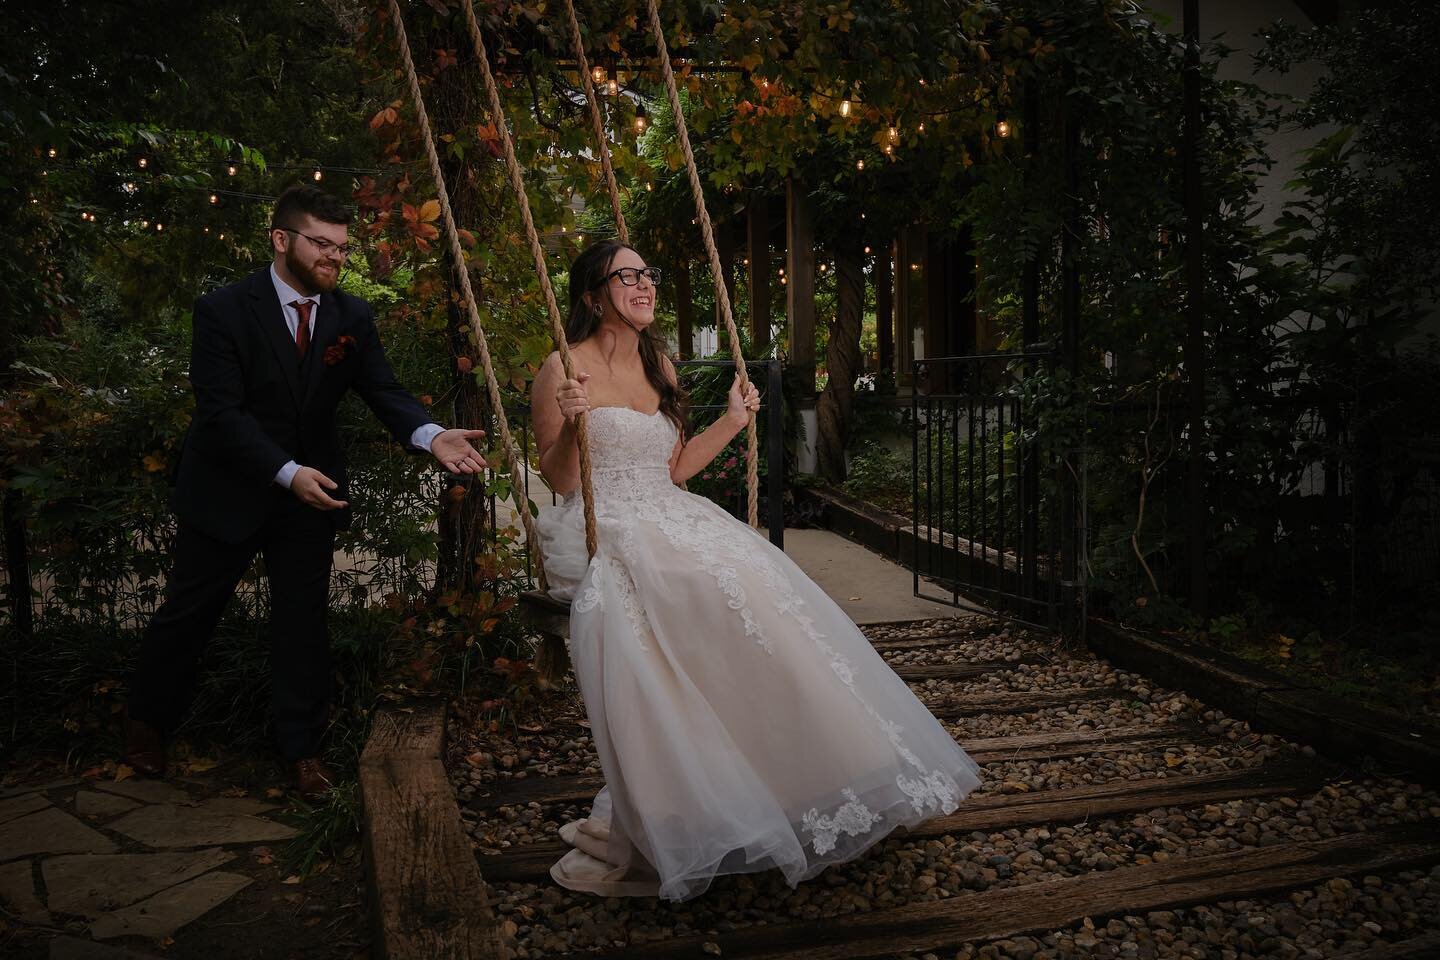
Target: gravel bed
[(540, 920), (1332, 919), (896, 872)]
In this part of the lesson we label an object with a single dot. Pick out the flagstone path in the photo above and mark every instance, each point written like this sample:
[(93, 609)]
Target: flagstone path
[(109, 870)]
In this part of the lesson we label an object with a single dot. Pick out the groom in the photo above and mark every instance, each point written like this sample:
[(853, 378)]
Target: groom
[(262, 471)]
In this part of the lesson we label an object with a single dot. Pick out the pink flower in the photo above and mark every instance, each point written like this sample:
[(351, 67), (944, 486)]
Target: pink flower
[(731, 463), (720, 475)]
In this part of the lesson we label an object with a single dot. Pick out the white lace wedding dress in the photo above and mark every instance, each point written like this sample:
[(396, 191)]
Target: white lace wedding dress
[(742, 721)]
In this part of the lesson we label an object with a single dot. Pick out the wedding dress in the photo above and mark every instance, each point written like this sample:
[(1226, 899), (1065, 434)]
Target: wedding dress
[(742, 721)]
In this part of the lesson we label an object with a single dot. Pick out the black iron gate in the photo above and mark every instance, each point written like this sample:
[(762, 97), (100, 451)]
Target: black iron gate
[(996, 520)]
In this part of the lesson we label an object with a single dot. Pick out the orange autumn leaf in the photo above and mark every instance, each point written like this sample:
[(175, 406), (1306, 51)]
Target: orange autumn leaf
[(429, 210)]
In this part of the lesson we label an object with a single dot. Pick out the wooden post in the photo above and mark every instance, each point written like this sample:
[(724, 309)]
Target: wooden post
[(885, 308), (725, 243), (758, 276), (800, 284), (684, 311), (904, 333)]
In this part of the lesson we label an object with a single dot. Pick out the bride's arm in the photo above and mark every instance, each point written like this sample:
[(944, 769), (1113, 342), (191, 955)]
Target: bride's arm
[(692, 456), (554, 434)]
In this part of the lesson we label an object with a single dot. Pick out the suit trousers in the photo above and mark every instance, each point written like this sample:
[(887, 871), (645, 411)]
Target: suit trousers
[(297, 542)]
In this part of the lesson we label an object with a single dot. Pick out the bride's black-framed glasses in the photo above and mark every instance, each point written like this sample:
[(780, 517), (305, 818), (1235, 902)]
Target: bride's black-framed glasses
[(630, 276)]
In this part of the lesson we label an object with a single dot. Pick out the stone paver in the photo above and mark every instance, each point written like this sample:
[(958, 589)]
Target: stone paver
[(166, 826), (18, 806), (90, 885), (171, 909), (241, 805), (102, 806), (73, 948), (45, 787), (17, 890), (50, 831), (146, 791)]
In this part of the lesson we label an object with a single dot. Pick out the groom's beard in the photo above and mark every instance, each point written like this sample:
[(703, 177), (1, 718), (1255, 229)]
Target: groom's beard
[(318, 280)]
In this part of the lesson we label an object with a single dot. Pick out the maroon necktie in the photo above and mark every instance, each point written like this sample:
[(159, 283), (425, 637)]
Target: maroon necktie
[(302, 329)]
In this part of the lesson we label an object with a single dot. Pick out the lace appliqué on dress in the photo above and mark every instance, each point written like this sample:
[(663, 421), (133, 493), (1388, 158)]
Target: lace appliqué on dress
[(852, 818)]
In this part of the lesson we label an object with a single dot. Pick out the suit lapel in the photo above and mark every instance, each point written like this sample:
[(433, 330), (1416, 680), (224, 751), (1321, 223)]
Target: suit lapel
[(265, 305), (327, 329)]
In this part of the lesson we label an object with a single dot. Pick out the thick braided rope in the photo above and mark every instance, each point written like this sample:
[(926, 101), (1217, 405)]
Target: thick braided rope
[(557, 325), (717, 270), (596, 123), (477, 333)]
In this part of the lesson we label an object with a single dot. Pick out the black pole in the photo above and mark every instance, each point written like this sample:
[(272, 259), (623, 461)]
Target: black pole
[(1070, 331), (775, 453), (1194, 311), (1030, 332)]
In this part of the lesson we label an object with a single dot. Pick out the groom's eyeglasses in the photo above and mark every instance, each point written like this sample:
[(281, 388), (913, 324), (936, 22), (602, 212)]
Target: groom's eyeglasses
[(326, 247), (630, 276)]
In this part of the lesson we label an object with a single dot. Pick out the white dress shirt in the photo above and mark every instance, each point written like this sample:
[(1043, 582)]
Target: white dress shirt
[(424, 434)]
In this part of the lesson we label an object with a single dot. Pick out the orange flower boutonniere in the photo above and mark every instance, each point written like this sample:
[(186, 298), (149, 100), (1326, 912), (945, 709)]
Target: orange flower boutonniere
[(336, 351)]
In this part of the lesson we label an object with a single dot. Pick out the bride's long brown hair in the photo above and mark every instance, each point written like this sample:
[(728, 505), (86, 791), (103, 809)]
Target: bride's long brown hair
[(588, 273)]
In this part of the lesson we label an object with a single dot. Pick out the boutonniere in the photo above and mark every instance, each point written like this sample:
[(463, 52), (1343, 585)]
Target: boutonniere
[(337, 350)]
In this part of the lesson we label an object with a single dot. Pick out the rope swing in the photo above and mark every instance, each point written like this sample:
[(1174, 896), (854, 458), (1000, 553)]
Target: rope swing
[(717, 269), (557, 325)]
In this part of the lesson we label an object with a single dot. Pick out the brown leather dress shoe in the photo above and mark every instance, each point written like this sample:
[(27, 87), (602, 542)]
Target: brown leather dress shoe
[(144, 748), (312, 778)]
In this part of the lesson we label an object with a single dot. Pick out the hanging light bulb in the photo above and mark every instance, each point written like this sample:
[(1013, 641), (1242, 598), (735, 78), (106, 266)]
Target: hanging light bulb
[(159, 227), (894, 135), (783, 281), (889, 149), (222, 236), (144, 224), (232, 169), (921, 128), (859, 164), (1002, 126), (214, 199), (649, 187), (597, 74), (642, 120), (318, 174), (867, 250), (143, 162), (207, 229), (129, 187), (822, 268), (52, 152), (845, 107)]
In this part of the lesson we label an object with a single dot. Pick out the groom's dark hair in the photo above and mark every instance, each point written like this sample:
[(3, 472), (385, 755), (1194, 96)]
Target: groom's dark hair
[(302, 199)]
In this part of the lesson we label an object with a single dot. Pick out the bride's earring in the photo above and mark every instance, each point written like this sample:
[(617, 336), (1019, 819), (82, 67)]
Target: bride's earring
[(599, 311)]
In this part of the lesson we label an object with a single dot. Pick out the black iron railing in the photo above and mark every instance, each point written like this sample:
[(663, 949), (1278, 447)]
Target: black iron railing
[(991, 519)]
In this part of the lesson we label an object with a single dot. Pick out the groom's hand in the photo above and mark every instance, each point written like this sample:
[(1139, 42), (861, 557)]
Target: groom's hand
[(452, 448), (310, 485)]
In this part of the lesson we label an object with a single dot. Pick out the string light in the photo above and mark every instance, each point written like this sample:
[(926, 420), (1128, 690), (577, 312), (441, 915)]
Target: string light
[(612, 88), (782, 281), (232, 169), (318, 174), (642, 120), (143, 162), (597, 74), (214, 199), (129, 187), (649, 187), (845, 107), (867, 250), (159, 227), (889, 150), (207, 229), (894, 135), (822, 268), (222, 236), (1002, 127), (921, 128), (144, 224), (51, 152), (859, 164)]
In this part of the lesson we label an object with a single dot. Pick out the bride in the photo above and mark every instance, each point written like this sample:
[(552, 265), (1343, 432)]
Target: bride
[(742, 721)]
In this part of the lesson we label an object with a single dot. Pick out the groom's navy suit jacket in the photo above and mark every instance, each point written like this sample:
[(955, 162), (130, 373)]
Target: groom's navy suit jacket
[(258, 405)]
